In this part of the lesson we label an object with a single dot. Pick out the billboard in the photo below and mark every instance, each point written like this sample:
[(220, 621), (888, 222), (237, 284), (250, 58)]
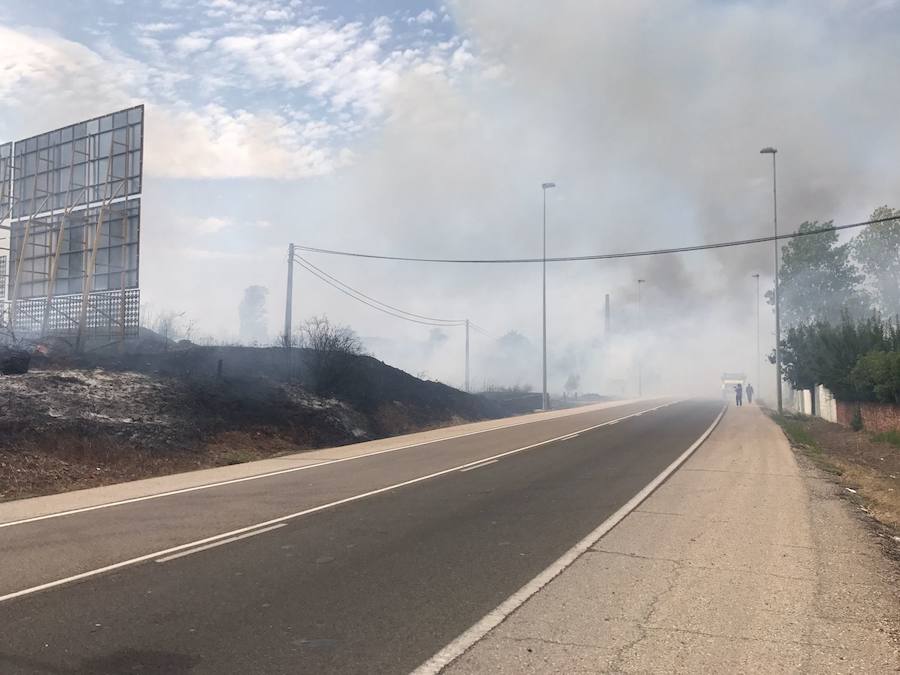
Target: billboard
[(71, 199)]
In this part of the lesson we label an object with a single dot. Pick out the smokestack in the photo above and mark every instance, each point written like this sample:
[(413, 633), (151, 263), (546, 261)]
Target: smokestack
[(606, 317)]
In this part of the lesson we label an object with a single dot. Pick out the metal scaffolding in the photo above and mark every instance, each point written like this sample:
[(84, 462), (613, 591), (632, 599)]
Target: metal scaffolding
[(70, 200)]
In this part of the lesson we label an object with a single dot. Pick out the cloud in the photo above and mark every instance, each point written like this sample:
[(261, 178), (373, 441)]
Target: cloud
[(189, 44), (425, 17)]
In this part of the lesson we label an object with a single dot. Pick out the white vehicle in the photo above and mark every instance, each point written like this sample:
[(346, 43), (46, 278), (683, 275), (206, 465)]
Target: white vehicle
[(730, 382)]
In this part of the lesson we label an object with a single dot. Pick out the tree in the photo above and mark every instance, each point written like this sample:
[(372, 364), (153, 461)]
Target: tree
[(877, 251), (331, 358), (827, 354), (252, 315), (818, 280)]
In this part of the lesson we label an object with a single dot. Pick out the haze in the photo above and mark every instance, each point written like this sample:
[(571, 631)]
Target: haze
[(428, 130)]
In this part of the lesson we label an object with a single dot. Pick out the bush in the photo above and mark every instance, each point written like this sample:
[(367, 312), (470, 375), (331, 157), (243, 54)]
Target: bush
[(876, 377), (857, 422), (332, 357)]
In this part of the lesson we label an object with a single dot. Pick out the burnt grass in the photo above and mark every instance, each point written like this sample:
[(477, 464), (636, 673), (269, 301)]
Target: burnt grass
[(81, 422)]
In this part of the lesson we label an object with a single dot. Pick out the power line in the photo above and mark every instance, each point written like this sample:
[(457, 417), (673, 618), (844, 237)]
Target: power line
[(599, 256), (376, 304)]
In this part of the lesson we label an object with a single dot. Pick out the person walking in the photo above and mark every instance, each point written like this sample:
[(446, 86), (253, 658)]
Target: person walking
[(749, 393), (738, 394)]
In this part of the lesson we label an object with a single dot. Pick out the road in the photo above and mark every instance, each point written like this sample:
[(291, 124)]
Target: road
[(401, 552)]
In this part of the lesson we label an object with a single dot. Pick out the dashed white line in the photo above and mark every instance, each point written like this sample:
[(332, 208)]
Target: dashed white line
[(478, 466), (218, 543), (207, 486), (291, 516)]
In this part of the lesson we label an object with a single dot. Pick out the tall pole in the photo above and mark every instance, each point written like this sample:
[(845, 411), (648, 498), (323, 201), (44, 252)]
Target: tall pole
[(756, 276), (545, 399), (289, 301), (467, 355), (773, 152), (640, 360)]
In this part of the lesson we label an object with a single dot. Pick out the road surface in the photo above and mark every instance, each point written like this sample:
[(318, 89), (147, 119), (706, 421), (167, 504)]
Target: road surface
[(366, 566)]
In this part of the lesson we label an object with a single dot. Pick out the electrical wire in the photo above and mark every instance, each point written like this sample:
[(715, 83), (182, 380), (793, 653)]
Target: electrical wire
[(377, 304), (598, 256)]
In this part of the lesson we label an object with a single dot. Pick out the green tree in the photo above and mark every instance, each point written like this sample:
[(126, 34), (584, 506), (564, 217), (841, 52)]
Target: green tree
[(818, 280), (877, 252)]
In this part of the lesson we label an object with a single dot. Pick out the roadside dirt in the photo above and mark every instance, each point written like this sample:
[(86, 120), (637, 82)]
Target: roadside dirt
[(66, 429), (868, 470)]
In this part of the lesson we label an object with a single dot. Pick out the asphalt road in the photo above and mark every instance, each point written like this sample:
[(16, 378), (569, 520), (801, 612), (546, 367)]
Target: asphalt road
[(375, 584)]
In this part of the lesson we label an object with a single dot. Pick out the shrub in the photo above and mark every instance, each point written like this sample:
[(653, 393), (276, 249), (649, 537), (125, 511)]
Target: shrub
[(876, 376), (857, 422)]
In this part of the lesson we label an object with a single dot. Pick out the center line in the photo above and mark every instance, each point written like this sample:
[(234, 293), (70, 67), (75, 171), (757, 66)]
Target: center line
[(478, 466), (218, 543)]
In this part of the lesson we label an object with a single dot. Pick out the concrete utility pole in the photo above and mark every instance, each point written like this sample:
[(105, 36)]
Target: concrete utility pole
[(640, 360), (545, 399), (467, 356), (606, 317), (756, 276), (773, 152), (289, 301)]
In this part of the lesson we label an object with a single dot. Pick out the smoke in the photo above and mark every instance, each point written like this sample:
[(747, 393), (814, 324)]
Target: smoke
[(252, 315), (648, 116)]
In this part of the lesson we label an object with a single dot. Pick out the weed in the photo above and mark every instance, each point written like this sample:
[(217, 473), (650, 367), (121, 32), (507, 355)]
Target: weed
[(892, 437)]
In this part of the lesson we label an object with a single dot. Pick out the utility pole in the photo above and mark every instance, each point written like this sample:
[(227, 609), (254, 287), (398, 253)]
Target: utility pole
[(756, 276), (640, 357), (290, 297), (606, 317), (545, 399), (773, 151), (467, 356)]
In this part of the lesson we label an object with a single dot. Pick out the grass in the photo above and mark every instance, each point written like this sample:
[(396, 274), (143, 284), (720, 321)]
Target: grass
[(892, 437)]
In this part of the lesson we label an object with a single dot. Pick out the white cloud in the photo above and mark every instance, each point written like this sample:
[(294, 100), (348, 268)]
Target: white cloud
[(425, 17), (207, 225), (189, 44), (213, 142)]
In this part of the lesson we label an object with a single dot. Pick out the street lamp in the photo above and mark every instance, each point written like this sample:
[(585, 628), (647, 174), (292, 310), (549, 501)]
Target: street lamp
[(640, 325), (545, 400), (773, 151), (756, 276)]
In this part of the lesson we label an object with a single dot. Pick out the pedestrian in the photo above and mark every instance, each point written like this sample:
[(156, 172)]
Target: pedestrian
[(749, 393), (738, 394)]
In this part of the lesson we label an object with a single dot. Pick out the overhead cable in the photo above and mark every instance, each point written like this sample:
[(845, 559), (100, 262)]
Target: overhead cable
[(598, 256), (376, 304)]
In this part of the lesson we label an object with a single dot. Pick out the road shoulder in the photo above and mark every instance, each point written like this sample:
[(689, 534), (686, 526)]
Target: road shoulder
[(743, 561)]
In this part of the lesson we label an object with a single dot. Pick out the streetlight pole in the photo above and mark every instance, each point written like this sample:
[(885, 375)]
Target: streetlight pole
[(640, 325), (545, 405), (756, 276), (773, 152)]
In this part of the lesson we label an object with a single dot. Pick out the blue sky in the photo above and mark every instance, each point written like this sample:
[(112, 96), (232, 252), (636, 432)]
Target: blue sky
[(426, 128)]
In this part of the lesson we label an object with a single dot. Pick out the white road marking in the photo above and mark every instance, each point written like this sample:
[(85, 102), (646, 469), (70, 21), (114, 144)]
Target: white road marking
[(478, 466), (298, 514), (578, 433), (218, 543), (491, 620), (232, 481)]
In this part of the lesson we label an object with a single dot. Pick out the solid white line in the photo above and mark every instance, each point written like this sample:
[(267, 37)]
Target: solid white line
[(478, 466), (281, 519), (232, 481), (218, 543), (490, 621)]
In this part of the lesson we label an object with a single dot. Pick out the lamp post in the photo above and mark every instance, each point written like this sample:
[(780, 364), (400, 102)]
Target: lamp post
[(773, 152), (756, 276), (640, 325), (545, 400)]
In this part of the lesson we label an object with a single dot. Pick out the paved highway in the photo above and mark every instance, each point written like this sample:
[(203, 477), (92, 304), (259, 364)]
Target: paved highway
[(364, 566)]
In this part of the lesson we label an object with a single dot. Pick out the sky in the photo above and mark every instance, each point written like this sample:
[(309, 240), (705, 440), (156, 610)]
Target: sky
[(427, 128)]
